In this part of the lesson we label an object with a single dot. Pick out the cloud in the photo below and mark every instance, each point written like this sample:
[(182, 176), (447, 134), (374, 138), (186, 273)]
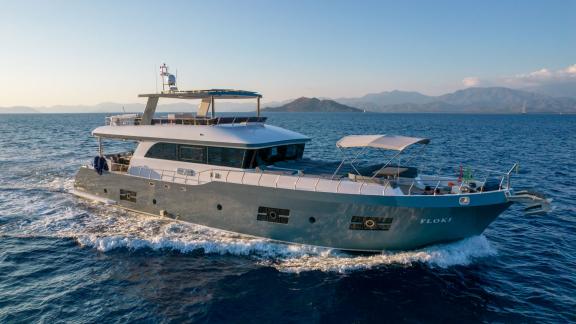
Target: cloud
[(471, 81), (541, 77), (571, 69), (556, 83)]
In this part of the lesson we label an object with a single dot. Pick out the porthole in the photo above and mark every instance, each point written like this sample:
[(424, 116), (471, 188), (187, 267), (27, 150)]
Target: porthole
[(312, 220), (154, 201), (105, 190), (219, 207)]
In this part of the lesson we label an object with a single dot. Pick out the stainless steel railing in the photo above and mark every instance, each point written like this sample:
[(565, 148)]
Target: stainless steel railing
[(281, 180), (295, 182), (136, 119)]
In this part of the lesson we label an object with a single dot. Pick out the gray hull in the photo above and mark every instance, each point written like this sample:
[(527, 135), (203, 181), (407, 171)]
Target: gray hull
[(343, 221)]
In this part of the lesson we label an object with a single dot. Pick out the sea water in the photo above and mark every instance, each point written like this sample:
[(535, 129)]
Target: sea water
[(70, 260)]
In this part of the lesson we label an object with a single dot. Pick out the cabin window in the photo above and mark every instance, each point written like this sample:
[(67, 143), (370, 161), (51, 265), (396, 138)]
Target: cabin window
[(225, 156), (271, 155), (194, 154), (164, 151), (291, 152)]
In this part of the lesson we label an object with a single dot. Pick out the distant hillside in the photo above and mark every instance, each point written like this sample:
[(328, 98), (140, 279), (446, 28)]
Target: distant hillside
[(471, 100), (565, 88), (505, 100), (111, 107), (374, 101), (18, 110), (313, 105)]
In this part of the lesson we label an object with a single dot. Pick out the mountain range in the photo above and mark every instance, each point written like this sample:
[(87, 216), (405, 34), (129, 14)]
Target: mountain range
[(304, 104), (470, 100)]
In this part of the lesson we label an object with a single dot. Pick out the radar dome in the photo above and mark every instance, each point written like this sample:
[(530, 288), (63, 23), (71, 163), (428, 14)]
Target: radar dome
[(171, 79)]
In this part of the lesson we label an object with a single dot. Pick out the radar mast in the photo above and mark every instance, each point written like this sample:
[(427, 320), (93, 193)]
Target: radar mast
[(168, 80)]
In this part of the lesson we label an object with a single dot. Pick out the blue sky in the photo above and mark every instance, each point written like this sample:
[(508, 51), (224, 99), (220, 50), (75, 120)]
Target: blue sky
[(86, 52)]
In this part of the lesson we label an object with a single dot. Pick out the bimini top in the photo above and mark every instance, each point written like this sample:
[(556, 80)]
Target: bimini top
[(228, 135), (203, 94), (387, 142)]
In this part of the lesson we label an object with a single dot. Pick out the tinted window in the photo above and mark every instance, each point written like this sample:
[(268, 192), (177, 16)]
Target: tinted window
[(291, 152), (194, 154), (165, 151), (223, 156), (226, 156), (275, 154)]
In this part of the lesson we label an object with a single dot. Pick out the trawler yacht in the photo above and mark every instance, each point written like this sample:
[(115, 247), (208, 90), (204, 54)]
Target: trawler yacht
[(242, 175)]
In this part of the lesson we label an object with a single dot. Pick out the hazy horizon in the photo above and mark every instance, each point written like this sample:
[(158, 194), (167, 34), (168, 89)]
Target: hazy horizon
[(81, 53)]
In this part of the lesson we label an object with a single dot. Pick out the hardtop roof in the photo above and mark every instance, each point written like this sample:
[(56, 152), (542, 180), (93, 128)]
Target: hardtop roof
[(202, 94), (228, 135)]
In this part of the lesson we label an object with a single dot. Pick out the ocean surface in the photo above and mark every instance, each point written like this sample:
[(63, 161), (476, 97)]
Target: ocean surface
[(63, 259)]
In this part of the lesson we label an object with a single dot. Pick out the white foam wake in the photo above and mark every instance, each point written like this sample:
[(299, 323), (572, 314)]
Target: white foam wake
[(462, 252), (133, 231)]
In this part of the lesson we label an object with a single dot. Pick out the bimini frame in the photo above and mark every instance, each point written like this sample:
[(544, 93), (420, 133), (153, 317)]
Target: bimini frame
[(386, 142)]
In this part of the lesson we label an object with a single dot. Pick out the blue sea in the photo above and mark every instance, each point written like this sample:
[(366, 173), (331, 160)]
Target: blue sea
[(63, 259)]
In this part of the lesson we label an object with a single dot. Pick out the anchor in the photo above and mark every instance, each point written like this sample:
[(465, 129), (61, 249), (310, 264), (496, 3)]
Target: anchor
[(536, 203)]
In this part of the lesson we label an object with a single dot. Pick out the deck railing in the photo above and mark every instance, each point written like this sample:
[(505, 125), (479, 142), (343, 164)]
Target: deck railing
[(284, 180), (262, 179), (503, 179), (136, 119)]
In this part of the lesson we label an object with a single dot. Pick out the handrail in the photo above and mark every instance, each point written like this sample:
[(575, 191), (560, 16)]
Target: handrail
[(410, 189), (385, 186), (151, 173), (435, 188), (361, 185), (296, 183), (136, 119)]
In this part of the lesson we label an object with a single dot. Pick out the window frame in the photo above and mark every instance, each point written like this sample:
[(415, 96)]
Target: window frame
[(249, 160)]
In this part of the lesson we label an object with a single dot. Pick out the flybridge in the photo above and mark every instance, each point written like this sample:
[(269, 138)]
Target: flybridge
[(207, 97), (207, 104), (202, 94)]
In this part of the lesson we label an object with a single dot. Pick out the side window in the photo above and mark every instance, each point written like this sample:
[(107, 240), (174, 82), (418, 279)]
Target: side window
[(223, 156), (299, 151), (226, 156), (271, 155), (165, 151), (249, 159), (194, 154), (291, 152)]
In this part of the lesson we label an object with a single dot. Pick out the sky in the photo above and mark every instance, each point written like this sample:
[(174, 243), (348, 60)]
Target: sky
[(87, 52)]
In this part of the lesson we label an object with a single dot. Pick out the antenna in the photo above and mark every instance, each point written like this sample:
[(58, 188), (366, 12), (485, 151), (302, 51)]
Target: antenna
[(156, 76), (168, 79)]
